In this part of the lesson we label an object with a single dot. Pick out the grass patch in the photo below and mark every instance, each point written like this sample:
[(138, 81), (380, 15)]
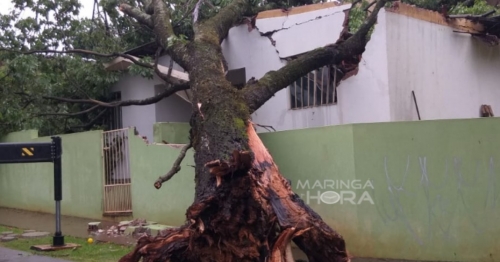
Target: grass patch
[(86, 253)]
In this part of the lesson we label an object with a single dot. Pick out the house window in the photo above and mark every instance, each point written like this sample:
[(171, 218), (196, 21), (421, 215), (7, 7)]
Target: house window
[(114, 118), (314, 89)]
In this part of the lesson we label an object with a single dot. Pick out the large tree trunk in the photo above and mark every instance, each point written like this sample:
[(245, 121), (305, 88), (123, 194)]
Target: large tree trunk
[(244, 210)]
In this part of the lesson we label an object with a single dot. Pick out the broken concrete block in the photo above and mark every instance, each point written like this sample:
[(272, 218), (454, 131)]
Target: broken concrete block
[(7, 239), (35, 234), (6, 233), (12, 235), (141, 230), (93, 226), (130, 230), (156, 229), (29, 231), (124, 223)]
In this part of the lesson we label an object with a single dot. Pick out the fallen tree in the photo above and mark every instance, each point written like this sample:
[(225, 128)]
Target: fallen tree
[(244, 209)]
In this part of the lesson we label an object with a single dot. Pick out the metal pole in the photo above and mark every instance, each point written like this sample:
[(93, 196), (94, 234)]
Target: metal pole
[(416, 105), (58, 239)]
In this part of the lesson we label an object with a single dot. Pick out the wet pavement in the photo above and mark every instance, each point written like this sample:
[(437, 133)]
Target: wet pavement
[(9, 255), (71, 226)]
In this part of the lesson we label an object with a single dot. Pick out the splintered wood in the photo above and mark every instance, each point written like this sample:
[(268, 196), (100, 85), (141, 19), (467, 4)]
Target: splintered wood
[(240, 160)]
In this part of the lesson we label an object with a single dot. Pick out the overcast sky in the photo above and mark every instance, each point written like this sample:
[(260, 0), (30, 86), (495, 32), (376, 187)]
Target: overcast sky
[(85, 11)]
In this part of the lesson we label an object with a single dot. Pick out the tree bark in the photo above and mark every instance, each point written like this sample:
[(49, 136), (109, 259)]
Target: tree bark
[(244, 209)]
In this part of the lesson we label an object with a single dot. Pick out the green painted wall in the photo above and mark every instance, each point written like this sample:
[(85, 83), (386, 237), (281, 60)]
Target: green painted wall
[(173, 133), (168, 204), (31, 186), (434, 185), (427, 190), (436, 190)]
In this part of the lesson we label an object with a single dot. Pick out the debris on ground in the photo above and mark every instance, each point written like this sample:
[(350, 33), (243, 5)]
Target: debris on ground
[(10, 235), (129, 231)]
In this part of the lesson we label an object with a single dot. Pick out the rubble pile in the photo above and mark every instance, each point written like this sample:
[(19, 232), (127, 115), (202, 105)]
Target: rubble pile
[(134, 228)]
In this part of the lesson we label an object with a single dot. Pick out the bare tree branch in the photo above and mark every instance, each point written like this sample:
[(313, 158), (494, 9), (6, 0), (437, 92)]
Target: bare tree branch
[(93, 121), (71, 114), (257, 93), (175, 168), (138, 102), (80, 51), (368, 6), (157, 15), (267, 127), (137, 14)]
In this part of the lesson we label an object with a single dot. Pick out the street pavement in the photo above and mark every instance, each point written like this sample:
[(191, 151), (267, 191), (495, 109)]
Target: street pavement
[(9, 255)]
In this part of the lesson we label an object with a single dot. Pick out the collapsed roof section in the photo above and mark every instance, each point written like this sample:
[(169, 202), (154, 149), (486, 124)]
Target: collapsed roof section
[(484, 27), (308, 22)]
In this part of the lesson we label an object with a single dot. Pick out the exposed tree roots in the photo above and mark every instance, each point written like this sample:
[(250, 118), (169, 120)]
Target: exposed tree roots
[(253, 216)]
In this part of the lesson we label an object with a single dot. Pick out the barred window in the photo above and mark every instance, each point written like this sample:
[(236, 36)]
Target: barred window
[(314, 89)]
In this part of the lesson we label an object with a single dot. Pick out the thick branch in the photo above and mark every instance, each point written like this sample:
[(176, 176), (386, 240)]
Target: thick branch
[(220, 24), (157, 16), (162, 26), (175, 168), (139, 102), (257, 93), (358, 41), (137, 14), (80, 51)]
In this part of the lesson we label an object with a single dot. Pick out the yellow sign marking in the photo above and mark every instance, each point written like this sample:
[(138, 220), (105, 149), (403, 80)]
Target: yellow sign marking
[(27, 151)]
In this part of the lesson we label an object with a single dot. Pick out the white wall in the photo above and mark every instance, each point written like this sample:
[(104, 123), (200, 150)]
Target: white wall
[(142, 117), (362, 98), (452, 74), (171, 109)]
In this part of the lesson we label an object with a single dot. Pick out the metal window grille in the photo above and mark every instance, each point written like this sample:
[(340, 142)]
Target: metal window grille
[(117, 183), (317, 88)]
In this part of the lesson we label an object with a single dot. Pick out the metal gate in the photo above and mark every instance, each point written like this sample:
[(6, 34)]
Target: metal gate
[(117, 187)]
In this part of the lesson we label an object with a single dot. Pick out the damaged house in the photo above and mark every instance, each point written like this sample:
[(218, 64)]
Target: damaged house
[(418, 64)]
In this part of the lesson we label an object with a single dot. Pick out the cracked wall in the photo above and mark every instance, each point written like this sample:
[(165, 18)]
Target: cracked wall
[(362, 98)]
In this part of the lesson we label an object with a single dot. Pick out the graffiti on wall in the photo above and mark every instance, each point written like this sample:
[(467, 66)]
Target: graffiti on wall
[(428, 203)]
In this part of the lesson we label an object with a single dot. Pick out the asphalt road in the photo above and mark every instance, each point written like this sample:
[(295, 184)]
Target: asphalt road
[(9, 255)]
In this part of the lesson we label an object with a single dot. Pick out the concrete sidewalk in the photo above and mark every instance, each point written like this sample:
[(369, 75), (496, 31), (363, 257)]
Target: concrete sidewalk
[(9, 255), (71, 226)]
